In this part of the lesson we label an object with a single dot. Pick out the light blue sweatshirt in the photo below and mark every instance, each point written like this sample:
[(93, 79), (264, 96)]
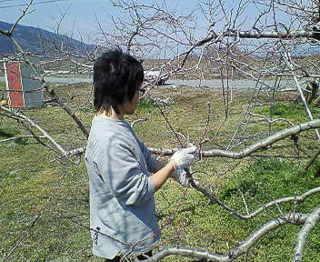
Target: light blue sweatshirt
[(122, 207)]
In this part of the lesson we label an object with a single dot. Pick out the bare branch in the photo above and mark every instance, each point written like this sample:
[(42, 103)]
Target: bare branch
[(309, 224), (24, 13), (253, 148), (276, 202), (68, 110), (242, 248), (33, 124), (17, 138)]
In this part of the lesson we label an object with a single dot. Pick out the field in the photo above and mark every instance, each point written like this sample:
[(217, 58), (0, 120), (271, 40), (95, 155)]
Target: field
[(44, 199)]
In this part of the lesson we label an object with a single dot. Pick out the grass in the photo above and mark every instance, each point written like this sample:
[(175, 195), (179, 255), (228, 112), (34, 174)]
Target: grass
[(44, 200), (289, 110), (2, 87)]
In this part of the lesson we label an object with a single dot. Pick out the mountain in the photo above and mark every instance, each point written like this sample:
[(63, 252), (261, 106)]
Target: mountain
[(41, 42)]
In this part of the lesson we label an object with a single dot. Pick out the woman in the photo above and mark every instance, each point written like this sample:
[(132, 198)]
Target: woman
[(123, 176)]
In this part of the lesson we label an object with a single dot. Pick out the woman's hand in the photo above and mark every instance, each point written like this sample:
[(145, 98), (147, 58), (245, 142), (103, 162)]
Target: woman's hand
[(181, 176), (179, 161), (183, 158)]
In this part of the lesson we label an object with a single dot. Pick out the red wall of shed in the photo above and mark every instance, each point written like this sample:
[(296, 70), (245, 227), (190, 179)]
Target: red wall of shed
[(13, 75)]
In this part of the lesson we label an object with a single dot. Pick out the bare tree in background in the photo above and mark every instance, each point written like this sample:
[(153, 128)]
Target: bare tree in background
[(214, 42)]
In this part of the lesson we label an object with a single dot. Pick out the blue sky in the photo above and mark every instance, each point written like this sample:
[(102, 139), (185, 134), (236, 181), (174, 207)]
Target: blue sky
[(81, 18), (82, 15)]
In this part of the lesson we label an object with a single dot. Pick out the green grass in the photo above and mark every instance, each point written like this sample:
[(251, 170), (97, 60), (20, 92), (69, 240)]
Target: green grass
[(2, 87), (44, 200), (146, 105), (209, 227), (289, 110), (265, 180)]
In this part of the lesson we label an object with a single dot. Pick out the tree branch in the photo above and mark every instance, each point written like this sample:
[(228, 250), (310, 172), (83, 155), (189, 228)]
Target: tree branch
[(242, 248), (309, 224)]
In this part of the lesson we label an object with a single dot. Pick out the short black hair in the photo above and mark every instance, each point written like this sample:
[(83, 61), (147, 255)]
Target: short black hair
[(116, 78)]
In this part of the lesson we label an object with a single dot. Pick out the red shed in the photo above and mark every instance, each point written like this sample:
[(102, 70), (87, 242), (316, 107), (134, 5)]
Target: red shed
[(23, 89)]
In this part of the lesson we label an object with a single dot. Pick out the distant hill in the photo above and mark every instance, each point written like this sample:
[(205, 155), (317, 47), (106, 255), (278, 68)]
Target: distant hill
[(41, 42)]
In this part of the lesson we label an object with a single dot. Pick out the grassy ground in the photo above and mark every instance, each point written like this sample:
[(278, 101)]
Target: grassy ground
[(44, 200), (2, 87)]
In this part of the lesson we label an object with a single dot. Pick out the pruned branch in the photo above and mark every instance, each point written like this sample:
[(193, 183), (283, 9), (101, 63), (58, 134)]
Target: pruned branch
[(309, 224), (242, 248), (274, 35), (261, 145)]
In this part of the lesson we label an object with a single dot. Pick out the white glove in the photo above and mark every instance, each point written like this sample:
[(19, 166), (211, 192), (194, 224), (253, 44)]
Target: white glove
[(180, 175), (184, 157)]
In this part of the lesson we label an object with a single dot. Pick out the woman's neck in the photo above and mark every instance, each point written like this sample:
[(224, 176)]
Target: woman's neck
[(112, 114)]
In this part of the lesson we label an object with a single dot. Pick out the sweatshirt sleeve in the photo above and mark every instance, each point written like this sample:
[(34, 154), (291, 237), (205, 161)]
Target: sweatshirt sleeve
[(152, 163), (125, 176)]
